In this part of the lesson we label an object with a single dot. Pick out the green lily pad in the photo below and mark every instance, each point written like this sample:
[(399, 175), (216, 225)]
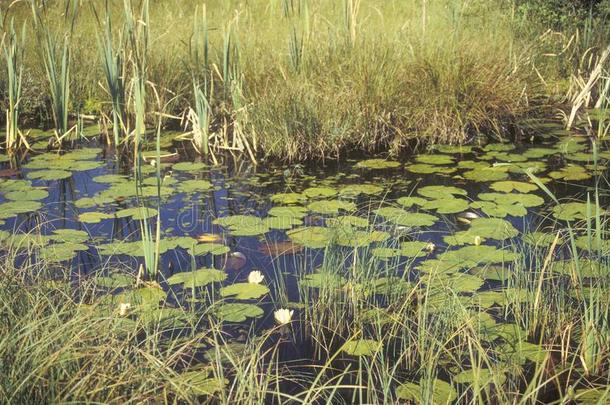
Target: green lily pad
[(424, 168), (189, 166), (116, 280), (358, 189), (571, 173), (448, 205), (288, 198), (319, 192), (197, 383), (438, 192), (94, 217), (289, 212), (14, 208), (361, 347), (494, 209), (440, 392), (238, 312), (510, 186), (377, 164), (244, 291), (194, 186), (572, 211), (207, 248), (243, 225), (408, 202), (414, 249), (29, 195), (49, 175), (401, 217), (482, 377), (487, 174), (435, 159), (348, 220), (540, 239), (331, 207), (197, 278), (312, 237)]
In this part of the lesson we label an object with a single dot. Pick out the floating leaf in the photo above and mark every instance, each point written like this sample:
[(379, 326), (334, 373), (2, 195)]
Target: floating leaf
[(207, 248), (438, 192), (288, 198), (194, 186), (27, 195), (361, 347), (331, 207), (487, 174), (289, 212), (408, 202), (348, 220), (509, 186), (244, 291), (401, 217), (311, 237), (316, 192), (49, 175), (358, 189), (377, 164), (238, 312), (435, 159), (94, 217), (13, 208), (440, 392), (447, 205), (197, 278), (570, 173), (423, 168), (189, 166)]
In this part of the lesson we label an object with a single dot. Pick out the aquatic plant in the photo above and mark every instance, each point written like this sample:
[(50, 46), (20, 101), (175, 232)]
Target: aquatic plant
[(13, 48), (55, 54), (113, 63)]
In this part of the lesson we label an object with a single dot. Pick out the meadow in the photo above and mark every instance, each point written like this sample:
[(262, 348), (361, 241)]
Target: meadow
[(304, 202)]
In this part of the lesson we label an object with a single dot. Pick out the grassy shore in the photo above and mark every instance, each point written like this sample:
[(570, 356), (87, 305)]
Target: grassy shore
[(298, 79)]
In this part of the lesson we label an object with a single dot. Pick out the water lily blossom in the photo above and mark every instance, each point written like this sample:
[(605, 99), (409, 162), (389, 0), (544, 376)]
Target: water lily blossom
[(430, 247), (283, 316), (124, 307), (477, 240), (255, 277)]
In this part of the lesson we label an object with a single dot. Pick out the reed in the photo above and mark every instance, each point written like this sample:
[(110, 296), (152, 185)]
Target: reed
[(55, 54), (13, 48), (113, 64)]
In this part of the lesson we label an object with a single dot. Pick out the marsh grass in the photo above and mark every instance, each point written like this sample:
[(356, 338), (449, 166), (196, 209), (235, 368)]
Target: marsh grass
[(13, 50), (298, 79)]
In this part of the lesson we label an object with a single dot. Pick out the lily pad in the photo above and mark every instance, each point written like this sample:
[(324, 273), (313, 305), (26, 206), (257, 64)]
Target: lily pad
[(440, 392), (331, 207), (438, 192), (244, 291), (510, 186), (238, 312), (404, 218), (50, 175), (311, 237), (377, 164), (361, 347)]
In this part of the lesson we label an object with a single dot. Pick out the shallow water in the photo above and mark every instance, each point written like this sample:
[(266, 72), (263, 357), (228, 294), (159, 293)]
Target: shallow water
[(192, 209)]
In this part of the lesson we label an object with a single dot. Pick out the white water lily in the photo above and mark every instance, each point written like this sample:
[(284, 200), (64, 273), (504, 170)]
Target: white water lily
[(255, 277), (430, 247), (477, 240), (124, 307), (283, 316)]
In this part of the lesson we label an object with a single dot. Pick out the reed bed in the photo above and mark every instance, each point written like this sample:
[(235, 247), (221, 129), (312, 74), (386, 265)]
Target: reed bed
[(295, 79)]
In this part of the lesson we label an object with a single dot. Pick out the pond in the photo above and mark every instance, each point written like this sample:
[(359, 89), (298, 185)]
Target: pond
[(345, 247)]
